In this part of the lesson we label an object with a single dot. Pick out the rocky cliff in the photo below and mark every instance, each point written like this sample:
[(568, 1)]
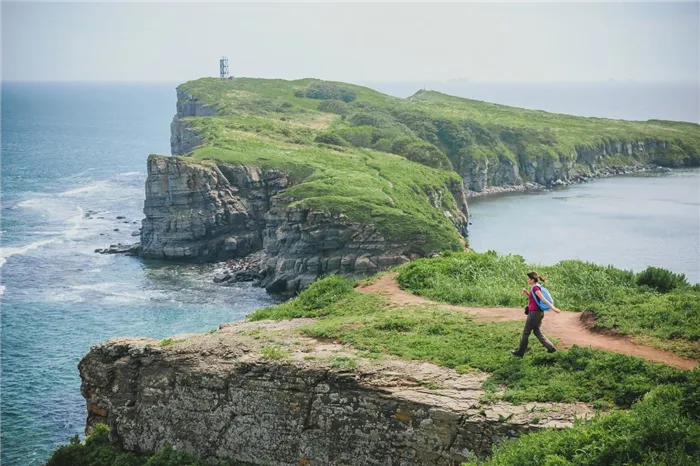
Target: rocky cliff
[(584, 162), (261, 393), (216, 211)]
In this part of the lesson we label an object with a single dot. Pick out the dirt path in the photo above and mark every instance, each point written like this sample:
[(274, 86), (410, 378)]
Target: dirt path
[(567, 326)]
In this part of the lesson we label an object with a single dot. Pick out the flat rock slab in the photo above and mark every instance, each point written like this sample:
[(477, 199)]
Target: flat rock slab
[(263, 393)]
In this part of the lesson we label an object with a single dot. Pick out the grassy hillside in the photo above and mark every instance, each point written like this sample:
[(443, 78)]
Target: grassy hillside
[(657, 308), (660, 429), (429, 127), (349, 148)]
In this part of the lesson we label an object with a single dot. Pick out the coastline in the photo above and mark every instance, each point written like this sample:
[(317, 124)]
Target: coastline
[(492, 191)]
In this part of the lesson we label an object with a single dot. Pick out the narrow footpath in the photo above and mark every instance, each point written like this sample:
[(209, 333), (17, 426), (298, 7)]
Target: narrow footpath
[(567, 326)]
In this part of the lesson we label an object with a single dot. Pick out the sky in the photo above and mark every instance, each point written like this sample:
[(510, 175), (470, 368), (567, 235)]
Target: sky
[(356, 42)]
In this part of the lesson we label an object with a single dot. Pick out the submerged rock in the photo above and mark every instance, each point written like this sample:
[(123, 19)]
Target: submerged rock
[(126, 249)]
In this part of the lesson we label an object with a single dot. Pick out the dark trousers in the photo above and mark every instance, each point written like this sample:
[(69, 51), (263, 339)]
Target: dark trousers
[(532, 325)]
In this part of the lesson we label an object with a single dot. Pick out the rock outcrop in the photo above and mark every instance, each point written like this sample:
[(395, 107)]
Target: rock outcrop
[(217, 211), (582, 164), (286, 399), (183, 138), (194, 211)]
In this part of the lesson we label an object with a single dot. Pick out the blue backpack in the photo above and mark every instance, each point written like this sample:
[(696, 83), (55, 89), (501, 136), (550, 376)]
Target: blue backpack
[(546, 294)]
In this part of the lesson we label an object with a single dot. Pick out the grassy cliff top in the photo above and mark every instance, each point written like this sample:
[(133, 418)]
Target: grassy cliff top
[(389, 161), (429, 127), (661, 428)]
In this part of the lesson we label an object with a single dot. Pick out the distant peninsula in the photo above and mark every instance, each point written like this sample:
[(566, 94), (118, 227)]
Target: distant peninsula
[(322, 177)]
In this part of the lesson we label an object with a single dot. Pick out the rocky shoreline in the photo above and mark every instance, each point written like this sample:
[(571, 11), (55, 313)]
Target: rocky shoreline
[(608, 172), (246, 269)]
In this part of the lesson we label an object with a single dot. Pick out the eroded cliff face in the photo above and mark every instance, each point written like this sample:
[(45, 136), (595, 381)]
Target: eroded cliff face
[(216, 211), (194, 211), (224, 396), (183, 138), (583, 163)]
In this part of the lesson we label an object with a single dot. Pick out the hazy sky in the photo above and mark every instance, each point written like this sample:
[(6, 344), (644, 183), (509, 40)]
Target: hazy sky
[(352, 42)]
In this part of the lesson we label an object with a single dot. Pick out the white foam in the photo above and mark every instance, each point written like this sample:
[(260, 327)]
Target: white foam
[(6, 253), (85, 189), (76, 221), (102, 287), (35, 202)]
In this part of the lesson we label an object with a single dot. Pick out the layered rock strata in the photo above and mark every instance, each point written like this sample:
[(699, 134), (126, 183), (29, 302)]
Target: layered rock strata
[(482, 175), (217, 211), (259, 393)]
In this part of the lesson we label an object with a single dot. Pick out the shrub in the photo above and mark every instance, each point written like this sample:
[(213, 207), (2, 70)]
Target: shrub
[(654, 432), (358, 136), (333, 106), (330, 138), (98, 450), (326, 91), (660, 279), (421, 152), (312, 302)]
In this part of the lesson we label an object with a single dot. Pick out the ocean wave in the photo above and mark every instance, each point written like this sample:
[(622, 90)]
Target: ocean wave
[(86, 189), (76, 221), (72, 232), (6, 253)]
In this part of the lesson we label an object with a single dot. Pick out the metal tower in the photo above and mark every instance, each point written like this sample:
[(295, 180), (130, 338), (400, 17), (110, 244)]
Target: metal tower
[(223, 68)]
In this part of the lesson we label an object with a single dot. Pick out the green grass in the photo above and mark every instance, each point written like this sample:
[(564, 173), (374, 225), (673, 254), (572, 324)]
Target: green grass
[(445, 131), (97, 450), (452, 339), (354, 158), (274, 353), (657, 431), (168, 342), (669, 321), (365, 186)]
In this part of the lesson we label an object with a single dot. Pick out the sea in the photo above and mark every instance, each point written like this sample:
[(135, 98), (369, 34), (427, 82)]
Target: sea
[(73, 159)]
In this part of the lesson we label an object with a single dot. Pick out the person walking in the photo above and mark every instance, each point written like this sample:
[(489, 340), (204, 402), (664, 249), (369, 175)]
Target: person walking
[(537, 304)]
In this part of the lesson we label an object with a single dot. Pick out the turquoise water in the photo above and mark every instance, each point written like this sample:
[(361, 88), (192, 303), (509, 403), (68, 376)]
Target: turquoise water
[(631, 222), (71, 148), (68, 149)]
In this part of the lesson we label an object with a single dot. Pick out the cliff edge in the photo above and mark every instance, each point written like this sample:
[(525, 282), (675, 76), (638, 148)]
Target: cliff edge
[(261, 393), (325, 178)]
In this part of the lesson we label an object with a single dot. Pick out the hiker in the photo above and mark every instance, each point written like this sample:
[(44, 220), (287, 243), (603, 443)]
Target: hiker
[(540, 301)]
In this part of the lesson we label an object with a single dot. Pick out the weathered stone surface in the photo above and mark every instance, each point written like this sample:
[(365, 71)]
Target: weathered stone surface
[(483, 175), (183, 139), (218, 211), (217, 397), (193, 212)]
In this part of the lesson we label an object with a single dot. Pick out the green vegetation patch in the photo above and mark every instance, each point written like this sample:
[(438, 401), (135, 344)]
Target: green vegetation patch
[(666, 320), (404, 200), (657, 431), (348, 148), (444, 131), (97, 450), (452, 339)]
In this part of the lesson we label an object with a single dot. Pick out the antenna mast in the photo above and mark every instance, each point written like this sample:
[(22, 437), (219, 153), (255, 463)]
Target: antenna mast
[(223, 68)]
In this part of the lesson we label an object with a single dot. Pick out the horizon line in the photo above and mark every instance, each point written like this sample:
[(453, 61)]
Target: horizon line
[(407, 82)]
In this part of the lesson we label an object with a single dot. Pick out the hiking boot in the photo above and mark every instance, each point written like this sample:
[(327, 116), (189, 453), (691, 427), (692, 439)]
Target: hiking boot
[(552, 350), (516, 354)]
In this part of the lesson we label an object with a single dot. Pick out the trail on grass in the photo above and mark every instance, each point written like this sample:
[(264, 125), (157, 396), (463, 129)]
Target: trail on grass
[(567, 326)]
